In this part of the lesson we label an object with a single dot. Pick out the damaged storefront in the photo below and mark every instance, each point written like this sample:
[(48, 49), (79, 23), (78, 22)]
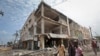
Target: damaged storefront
[(51, 40)]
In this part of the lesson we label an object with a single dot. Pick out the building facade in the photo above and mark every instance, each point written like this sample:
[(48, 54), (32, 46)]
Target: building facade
[(47, 27), (82, 34)]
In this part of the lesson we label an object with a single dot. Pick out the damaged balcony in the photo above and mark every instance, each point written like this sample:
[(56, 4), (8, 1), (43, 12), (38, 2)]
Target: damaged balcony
[(51, 14), (51, 27), (54, 22)]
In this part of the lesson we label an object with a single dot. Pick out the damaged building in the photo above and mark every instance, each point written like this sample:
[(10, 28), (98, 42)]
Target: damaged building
[(47, 27)]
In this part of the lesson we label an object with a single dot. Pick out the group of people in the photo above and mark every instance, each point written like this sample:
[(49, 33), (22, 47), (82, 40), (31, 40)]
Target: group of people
[(74, 49)]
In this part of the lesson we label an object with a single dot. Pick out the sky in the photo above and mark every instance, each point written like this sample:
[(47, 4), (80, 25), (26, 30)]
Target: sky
[(84, 12)]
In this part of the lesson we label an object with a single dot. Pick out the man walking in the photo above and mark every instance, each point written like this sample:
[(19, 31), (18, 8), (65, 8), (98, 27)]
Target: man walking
[(94, 46), (71, 49)]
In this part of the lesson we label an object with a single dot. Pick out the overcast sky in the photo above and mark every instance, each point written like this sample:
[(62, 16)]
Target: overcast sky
[(84, 12)]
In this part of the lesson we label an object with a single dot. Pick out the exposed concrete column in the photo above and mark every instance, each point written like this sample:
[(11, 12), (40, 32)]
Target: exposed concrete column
[(34, 27), (41, 42), (42, 27), (68, 27), (27, 45), (32, 45), (34, 31), (42, 19), (42, 10), (27, 37), (61, 33), (42, 32), (60, 29)]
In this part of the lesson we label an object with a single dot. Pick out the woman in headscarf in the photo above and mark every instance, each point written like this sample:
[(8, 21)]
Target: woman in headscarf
[(61, 50)]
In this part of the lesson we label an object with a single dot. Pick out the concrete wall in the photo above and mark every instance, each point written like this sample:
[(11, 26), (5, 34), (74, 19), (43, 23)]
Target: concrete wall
[(27, 25), (74, 28)]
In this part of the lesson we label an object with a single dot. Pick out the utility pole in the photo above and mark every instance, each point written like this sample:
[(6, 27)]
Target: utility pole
[(16, 36), (91, 32)]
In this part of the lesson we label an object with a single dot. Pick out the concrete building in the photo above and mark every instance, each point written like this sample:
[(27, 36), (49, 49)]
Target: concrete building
[(44, 27), (47, 27), (79, 32)]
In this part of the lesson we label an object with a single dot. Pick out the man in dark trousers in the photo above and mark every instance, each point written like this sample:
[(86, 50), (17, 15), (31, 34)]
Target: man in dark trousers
[(71, 49)]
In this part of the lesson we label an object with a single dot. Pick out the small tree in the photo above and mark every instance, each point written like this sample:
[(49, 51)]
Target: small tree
[(9, 43)]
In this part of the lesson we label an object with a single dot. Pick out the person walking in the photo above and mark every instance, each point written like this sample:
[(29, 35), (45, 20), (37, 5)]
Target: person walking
[(71, 49), (61, 50), (79, 51), (94, 46), (99, 45)]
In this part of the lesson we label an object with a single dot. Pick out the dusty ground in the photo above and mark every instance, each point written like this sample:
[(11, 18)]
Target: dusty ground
[(91, 54), (4, 51), (11, 52)]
